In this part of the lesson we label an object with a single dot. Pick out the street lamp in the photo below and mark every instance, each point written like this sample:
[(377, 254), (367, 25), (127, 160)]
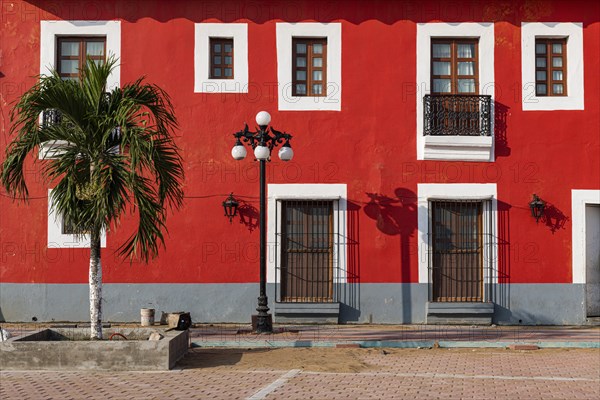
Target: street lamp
[(262, 141), (230, 206), (537, 207)]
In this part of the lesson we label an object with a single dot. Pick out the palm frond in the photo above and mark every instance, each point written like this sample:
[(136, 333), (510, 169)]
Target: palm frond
[(120, 153)]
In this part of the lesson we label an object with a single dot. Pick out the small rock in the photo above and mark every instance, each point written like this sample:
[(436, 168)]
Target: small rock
[(155, 336), (384, 352)]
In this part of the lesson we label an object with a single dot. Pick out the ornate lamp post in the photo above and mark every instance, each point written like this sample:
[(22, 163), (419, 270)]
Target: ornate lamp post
[(263, 140)]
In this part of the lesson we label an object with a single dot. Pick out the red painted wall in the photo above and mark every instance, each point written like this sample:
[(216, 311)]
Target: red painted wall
[(370, 145)]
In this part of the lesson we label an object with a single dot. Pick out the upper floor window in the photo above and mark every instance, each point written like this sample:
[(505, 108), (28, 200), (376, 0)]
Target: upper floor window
[(72, 53), (550, 67), (455, 71), (216, 68), (454, 66), (221, 58), (309, 64)]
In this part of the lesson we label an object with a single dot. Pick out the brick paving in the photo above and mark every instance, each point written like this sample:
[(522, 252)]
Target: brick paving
[(390, 374)]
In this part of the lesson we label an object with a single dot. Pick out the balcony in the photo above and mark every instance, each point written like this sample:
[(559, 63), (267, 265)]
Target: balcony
[(51, 117), (458, 127), (457, 115), (52, 149)]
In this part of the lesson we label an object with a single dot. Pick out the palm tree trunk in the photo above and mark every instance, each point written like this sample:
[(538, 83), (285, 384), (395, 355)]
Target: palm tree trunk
[(95, 286)]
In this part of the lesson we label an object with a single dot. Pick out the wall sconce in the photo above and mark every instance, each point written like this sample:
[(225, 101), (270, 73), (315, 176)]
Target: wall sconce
[(537, 206), (230, 205)]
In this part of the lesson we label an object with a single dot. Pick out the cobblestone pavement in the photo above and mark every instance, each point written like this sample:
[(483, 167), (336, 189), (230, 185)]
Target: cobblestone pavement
[(385, 374)]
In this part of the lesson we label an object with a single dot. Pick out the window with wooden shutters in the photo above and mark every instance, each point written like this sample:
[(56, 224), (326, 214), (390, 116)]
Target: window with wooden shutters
[(74, 51), (307, 251), (309, 67), (550, 67), (221, 58), (454, 66)]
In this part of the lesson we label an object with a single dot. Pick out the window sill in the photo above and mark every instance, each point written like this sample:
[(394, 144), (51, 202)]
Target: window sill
[(459, 148)]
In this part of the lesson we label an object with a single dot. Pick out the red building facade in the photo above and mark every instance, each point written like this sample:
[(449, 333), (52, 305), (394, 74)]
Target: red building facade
[(421, 132)]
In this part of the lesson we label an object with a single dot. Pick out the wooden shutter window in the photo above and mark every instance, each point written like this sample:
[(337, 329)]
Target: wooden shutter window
[(551, 67), (454, 66), (72, 53), (221, 58), (309, 67)]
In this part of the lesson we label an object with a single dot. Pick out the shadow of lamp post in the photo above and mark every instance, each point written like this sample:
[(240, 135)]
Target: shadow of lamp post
[(263, 140)]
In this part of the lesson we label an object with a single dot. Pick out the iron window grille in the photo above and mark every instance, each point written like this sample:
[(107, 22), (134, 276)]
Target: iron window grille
[(460, 250), (308, 249)]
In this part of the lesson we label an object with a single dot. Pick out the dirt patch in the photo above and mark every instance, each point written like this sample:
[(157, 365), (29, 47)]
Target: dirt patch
[(284, 359), (325, 359)]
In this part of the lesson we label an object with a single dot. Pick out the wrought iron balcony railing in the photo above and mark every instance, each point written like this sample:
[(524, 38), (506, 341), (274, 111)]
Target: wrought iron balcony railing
[(458, 115), (53, 116)]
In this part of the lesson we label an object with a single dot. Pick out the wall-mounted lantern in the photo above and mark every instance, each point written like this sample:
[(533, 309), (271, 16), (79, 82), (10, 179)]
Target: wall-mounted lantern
[(230, 206), (537, 207)]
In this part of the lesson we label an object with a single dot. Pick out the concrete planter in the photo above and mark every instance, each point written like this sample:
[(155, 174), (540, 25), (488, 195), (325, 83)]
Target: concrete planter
[(69, 349)]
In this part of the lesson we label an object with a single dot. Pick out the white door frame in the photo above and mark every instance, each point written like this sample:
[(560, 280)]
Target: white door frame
[(579, 199)]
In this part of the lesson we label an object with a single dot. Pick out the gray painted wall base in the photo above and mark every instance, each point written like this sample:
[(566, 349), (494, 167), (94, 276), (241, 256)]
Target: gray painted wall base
[(389, 303), (460, 313), (307, 313)]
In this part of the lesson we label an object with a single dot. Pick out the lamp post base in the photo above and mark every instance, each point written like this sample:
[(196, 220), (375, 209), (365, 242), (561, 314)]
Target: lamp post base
[(262, 323)]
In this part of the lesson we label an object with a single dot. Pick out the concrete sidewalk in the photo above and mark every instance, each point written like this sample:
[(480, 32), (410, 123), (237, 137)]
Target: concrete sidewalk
[(375, 336), (397, 336)]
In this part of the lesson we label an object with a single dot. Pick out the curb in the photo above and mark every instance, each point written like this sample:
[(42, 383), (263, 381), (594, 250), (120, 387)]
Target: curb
[(392, 344)]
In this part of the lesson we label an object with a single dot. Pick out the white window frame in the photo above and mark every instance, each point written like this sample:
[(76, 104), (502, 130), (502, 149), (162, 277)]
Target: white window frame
[(202, 81), (459, 148), (337, 192), (58, 240), (573, 31), (50, 30), (333, 33), (459, 191), (579, 200)]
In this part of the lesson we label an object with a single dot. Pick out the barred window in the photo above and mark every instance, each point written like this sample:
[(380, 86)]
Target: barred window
[(457, 250), (307, 251)]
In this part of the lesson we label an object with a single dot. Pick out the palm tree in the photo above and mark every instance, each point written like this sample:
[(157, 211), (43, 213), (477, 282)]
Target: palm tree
[(114, 152)]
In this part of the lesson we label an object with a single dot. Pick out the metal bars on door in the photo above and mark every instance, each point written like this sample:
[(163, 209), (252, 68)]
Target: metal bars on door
[(308, 265), (460, 238)]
